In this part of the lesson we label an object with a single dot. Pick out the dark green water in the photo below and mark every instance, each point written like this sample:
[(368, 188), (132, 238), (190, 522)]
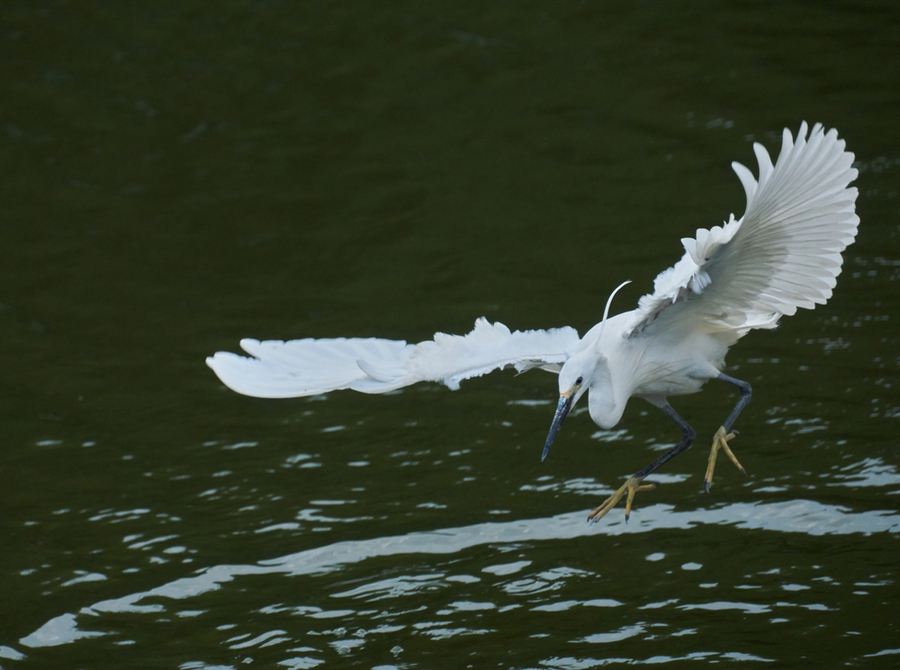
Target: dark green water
[(176, 176)]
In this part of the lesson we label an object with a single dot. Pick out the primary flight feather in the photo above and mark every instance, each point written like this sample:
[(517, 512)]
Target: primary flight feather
[(784, 253)]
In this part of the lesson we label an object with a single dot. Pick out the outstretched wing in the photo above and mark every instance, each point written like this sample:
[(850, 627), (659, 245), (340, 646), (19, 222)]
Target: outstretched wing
[(309, 367), (784, 253)]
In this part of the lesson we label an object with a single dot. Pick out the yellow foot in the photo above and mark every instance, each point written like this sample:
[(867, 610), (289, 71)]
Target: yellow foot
[(720, 441), (632, 485)]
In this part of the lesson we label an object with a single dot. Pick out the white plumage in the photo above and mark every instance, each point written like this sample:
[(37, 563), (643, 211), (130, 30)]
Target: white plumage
[(784, 253), (309, 367)]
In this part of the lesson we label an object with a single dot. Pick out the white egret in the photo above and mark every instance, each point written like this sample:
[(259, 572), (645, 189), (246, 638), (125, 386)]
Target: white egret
[(782, 254)]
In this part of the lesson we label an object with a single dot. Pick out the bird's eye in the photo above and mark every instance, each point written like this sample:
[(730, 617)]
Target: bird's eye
[(578, 381)]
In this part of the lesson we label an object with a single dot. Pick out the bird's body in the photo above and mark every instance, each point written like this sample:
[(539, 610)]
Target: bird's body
[(783, 254), (649, 368)]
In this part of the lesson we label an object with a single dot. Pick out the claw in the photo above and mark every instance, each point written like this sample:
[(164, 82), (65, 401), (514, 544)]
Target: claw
[(720, 441), (632, 485)]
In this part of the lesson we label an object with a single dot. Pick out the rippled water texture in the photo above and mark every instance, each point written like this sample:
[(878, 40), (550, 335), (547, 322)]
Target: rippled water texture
[(181, 175)]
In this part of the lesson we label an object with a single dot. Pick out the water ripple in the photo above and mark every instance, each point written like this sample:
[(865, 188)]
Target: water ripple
[(799, 516)]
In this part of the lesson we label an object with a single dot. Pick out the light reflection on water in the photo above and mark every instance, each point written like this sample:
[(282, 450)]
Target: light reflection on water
[(507, 580), (474, 582)]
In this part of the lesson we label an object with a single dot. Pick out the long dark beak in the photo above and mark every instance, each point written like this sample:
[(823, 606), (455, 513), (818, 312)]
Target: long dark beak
[(562, 411)]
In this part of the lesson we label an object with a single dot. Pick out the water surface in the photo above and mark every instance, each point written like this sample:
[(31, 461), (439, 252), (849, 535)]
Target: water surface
[(178, 177)]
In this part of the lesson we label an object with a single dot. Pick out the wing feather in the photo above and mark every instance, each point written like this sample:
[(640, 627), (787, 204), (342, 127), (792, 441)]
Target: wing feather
[(306, 367), (783, 254)]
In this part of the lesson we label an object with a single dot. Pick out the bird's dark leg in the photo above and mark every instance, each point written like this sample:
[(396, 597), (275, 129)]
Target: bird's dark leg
[(724, 434), (687, 438), (633, 484)]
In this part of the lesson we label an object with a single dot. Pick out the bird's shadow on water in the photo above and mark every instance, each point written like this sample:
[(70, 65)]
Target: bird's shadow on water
[(804, 517)]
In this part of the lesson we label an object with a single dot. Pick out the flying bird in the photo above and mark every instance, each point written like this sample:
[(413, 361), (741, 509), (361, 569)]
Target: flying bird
[(784, 253)]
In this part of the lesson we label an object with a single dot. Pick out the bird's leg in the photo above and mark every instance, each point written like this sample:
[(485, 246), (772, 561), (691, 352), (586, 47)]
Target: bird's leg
[(724, 434), (633, 484)]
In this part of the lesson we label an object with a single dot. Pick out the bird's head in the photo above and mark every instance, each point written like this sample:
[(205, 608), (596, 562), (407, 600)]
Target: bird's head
[(577, 375)]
